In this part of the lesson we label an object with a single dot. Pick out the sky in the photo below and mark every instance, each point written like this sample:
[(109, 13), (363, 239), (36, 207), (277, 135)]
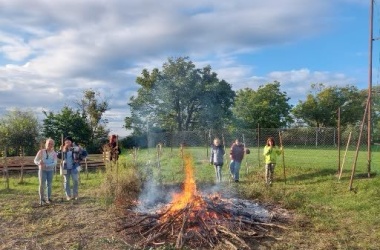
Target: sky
[(51, 51)]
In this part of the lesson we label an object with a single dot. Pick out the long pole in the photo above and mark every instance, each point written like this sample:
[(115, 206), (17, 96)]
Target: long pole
[(358, 145), (369, 123), (338, 140), (246, 162), (61, 169), (345, 154), (283, 155)]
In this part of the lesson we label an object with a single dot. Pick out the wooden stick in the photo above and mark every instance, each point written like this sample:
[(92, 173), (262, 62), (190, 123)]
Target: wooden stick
[(344, 157), (283, 155), (61, 169), (246, 162), (358, 145)]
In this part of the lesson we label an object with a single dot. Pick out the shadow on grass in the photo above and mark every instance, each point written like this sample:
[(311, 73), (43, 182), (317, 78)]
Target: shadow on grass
[(346, 175), (316, 176), (8, 191)]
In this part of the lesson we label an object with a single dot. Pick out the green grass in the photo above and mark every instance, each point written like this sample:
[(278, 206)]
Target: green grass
[(326, 213), (329, 214)]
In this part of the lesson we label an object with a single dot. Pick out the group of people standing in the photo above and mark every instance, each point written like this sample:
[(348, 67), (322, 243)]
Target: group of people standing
[(237, 153), (71, 154), (47, 160)]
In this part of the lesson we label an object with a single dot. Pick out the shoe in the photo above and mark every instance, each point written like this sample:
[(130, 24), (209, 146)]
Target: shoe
[(42, 202), (50, 200), (47, 201), (76, 198), (68, 198), (236, 180)]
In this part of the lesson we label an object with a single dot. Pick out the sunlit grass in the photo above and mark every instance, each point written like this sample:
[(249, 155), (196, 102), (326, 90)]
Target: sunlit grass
[(330, 215)]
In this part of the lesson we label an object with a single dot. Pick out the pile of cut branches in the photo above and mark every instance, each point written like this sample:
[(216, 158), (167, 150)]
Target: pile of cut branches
[(203, 223)]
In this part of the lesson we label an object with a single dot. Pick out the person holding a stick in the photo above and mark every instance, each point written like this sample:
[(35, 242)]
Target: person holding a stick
[(271, 151), (72, 155), (46, 159), (236, 156), (216, 159)]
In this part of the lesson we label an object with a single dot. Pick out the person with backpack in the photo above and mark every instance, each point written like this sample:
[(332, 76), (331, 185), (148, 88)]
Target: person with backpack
[(72, 155), (216, 159), (46, 160)]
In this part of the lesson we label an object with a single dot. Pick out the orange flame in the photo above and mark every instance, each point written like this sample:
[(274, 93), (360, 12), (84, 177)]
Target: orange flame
[(181, 200)]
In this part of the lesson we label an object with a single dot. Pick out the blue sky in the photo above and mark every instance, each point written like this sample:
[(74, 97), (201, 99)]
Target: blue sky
[(50, 51)]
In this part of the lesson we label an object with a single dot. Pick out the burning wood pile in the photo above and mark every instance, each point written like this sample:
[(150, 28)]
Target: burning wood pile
[(198, 221)]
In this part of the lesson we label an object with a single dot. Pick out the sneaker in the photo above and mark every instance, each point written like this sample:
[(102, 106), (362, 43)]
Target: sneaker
[(47, 201), (68, 198), (76, 198), (50, 200)]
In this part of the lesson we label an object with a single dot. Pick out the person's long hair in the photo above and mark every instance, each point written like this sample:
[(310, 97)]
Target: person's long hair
[(272, 140)]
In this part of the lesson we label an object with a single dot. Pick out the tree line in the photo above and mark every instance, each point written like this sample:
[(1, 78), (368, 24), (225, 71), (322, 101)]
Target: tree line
[(181, 97)]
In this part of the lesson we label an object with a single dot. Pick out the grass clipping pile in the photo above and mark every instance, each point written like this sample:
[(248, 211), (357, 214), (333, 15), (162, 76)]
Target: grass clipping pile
[(198, 221)]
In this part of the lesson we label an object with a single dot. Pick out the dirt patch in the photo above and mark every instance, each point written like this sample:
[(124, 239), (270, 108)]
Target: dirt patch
[(81, 224)]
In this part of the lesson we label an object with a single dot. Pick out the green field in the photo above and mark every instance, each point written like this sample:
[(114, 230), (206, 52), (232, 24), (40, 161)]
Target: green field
[(326, 214)]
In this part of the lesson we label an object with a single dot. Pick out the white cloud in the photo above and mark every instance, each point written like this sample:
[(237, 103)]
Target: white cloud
[(50, 51)]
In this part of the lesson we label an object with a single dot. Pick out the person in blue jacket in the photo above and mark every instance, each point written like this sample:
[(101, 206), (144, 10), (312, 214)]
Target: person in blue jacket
[(72, 155)]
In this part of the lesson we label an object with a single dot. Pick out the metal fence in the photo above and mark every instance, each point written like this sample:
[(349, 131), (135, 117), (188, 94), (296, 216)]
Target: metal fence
[(294, 137)]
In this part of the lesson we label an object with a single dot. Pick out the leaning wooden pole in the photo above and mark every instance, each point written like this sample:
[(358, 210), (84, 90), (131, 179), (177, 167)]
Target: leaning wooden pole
[(283, 155), (358, 145), (345, 154)]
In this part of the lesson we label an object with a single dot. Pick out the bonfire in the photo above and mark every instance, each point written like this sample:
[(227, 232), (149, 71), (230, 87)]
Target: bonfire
[(199, 221)]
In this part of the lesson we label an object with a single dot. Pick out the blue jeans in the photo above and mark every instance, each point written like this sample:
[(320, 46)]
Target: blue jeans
[(234, 169), (218, 173), (45, 178), (71, 174)]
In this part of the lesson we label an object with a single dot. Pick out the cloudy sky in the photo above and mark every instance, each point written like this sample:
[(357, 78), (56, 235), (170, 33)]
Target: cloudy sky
[(50, 51)]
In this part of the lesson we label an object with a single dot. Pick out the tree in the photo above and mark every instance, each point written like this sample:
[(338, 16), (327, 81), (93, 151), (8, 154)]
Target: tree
[(19, 129), (376, 113), (67, 122), (179, 98), (93, 110), (267, 106), (321, 107)]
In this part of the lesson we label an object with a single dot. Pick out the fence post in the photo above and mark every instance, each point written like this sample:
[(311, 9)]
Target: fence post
[(258, 144), (22, 162), (5, 168)]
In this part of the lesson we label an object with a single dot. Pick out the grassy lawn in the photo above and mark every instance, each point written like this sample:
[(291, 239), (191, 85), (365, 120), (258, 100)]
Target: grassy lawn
[(325, 213)]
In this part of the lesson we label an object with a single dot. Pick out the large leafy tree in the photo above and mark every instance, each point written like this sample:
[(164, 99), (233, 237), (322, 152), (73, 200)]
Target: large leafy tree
[(19, 129), (179, 97), (267, 106), (93, 108), (67, 122), (320, 109)]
